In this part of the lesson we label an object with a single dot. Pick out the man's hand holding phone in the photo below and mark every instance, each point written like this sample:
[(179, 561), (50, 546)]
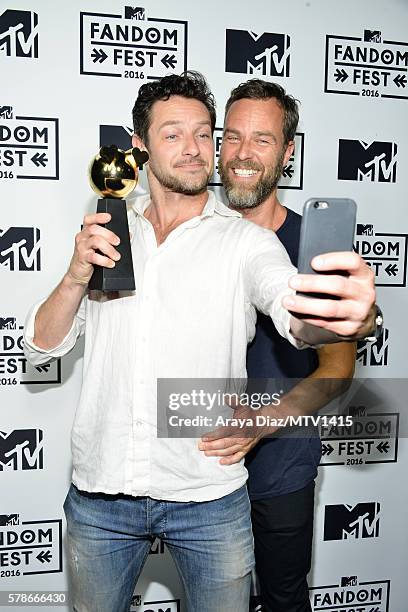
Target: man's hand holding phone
[(328, 269)]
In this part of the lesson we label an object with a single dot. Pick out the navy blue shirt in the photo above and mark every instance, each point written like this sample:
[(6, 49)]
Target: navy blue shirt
[(280, 465)]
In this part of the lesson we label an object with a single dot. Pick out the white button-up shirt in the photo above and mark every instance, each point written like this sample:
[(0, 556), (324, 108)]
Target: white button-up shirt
[(191, 316)]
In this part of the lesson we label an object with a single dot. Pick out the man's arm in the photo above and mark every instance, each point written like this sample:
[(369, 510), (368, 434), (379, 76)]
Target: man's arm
[(271, 281), (350, 317), (331, 378), (55, 317)]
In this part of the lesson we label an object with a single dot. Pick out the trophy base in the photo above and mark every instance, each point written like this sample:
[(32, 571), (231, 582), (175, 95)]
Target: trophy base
[(121, 277)]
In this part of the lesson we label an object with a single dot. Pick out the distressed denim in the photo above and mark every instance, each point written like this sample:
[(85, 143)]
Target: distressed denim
[(109, 538)]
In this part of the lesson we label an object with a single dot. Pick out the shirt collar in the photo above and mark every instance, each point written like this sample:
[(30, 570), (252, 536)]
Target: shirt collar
[(211, 207)]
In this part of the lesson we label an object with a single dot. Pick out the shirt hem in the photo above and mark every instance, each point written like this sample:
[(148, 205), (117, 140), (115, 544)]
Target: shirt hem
[(207, 493)]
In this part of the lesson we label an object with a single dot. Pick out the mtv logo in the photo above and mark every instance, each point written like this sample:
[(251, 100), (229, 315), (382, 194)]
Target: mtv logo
[(364, 230), (136, 12), (360, 161), (344, 522), (157, 547), (119, 135), (373, 36), (19, 33), (374, 353), (6, 112), (22, 449), (357, 411), (20, 249), (267, 54), (9, 519), (136, 600), (348, 581), (8, 323)]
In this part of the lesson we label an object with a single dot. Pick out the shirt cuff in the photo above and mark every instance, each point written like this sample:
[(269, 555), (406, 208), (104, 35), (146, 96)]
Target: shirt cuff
[(37, 355)]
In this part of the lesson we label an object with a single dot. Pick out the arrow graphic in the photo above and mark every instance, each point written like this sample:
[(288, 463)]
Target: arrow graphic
[(383, 447), (39, 159), (400, 80), (98, 55), (169, 61), (392, 269), (43, 368), (44, 556), (340, 75), (288, 171), (327, 449)]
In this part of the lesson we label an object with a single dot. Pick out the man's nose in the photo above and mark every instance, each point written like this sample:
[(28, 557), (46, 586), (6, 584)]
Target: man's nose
[(244, 150), (191, 146)]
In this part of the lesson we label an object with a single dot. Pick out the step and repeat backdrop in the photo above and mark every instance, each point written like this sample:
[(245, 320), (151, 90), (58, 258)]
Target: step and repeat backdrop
[(69, 75)]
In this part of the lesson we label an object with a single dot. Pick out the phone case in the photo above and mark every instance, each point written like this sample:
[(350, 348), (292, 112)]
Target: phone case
[(327, 225)]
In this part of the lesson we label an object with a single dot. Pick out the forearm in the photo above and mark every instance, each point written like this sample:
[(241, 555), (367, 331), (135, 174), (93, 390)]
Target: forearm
[(55, 316), (331, 378)]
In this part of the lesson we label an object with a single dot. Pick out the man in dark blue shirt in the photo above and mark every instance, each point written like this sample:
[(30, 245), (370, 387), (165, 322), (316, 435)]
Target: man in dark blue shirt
[(259, 131)]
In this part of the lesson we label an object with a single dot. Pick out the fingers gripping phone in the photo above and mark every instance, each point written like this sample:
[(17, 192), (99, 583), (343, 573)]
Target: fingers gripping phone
[(327, 226)]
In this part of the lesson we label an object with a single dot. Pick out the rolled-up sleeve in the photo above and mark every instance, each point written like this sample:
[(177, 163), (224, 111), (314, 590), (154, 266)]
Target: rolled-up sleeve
[(37, 355), (267, 270)]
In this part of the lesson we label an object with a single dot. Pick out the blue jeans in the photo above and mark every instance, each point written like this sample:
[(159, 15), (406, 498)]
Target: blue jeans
[(109, 538)]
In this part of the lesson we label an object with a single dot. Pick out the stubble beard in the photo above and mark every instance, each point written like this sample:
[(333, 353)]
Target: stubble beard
[(250, 196), (188, 186)]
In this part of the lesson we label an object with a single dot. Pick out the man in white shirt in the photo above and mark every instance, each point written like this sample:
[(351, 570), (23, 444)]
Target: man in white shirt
[(201, 270)]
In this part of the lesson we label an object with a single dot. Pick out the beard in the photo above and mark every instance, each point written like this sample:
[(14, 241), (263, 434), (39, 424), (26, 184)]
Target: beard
[(188, 185), (242, 196)]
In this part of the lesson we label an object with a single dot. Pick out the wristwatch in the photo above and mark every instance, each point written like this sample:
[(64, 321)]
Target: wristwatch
[(378, 322)]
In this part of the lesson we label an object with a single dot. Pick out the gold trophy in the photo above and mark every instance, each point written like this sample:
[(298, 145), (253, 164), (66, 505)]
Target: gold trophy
[(113, 174)]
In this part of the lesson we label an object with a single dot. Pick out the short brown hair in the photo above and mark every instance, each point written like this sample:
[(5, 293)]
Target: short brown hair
[(189, 84), (256, 89)]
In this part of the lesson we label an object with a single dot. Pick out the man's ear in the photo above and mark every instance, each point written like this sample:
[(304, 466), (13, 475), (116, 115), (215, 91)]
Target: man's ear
[(137, 142), (290, 147)]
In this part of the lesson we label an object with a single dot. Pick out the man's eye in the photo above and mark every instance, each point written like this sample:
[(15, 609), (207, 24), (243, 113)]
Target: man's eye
[(263, 141), (204, 135), (232, 138), (171, 137)]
